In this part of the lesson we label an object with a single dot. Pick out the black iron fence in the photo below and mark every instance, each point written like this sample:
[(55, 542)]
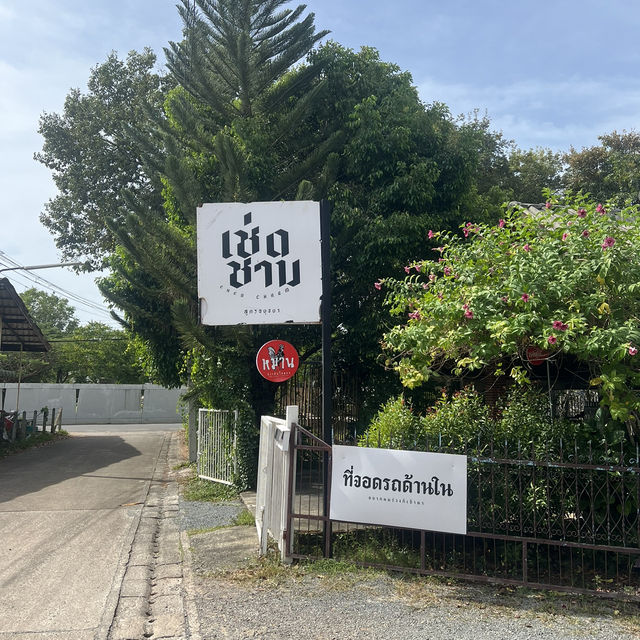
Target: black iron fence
[(566, 520), (305, 391)]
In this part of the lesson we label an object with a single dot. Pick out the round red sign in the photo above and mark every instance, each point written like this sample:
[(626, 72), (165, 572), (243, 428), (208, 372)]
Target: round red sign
[(277, 360), (536, 356)]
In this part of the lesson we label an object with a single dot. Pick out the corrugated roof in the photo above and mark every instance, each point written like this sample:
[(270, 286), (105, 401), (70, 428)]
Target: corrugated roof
[(18, 331)]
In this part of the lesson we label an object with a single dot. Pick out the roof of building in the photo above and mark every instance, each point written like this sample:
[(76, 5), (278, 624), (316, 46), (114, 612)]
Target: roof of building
[(18, 331)]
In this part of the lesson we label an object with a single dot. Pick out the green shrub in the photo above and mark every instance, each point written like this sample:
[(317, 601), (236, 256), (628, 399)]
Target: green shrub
[(461, 419), (394, 427)]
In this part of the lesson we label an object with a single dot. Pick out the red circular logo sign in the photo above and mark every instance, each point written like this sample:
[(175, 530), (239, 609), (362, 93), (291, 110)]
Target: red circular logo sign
[(277, 360), (536, 356)]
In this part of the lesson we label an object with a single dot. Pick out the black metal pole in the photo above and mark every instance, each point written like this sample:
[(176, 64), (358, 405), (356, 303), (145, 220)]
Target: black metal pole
[(325, 313), (327, 428)]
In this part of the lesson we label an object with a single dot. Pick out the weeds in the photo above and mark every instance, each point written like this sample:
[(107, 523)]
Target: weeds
[(35, 440), (195, 489)]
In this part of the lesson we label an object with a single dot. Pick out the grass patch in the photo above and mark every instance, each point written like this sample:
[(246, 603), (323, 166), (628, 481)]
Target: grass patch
[(36, 440), (195, 489), (244, 519)]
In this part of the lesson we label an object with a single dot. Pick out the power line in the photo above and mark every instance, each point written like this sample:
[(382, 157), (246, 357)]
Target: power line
[(10, 263)]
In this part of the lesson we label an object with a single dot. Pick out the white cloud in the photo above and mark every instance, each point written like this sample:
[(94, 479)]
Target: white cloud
[(556, 114)]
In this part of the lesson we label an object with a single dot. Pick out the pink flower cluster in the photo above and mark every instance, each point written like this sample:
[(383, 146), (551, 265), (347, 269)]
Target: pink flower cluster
[(467, 312), (608, 242), (559, 325), (582, 213), (633, 351), (468, 229), (526, 297), (415, 315)]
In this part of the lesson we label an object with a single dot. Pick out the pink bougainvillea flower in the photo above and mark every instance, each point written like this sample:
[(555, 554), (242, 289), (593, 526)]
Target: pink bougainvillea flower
[(600, 209), (565, 235), (632, 351), (430, 234), (585, 233), (468, 314), (415, 315), (527, 247), (447, 271), (378, 285), (552, 339), (582, 213), (608, 242), (501, 223), (526, 297)]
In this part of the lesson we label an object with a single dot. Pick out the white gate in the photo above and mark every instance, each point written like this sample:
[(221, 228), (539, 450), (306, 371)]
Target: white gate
[(274, 467), (216, 458)]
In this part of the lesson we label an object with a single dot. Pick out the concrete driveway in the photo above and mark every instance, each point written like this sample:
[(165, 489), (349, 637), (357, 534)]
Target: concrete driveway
[(68, 515)]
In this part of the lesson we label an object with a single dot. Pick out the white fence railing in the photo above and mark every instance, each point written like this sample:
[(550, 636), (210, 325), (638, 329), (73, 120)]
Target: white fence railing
[(216, 458), (273, 480)]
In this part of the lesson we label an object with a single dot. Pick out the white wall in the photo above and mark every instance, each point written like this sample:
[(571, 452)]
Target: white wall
[(97, 403)]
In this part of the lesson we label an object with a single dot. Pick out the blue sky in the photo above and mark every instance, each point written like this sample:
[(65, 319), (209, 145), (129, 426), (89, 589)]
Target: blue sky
[(547, 73)]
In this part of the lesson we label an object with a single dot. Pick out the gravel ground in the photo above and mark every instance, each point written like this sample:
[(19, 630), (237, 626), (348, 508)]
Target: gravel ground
[(247, 602), (207, 515), (380, 608)]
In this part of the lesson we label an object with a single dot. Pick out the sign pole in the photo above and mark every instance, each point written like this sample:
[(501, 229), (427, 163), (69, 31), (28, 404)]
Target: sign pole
[(325, 315), (327, 428)]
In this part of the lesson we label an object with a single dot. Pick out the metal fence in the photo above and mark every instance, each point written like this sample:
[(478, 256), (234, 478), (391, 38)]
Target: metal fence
[(562, 520), (305, 391), (216, 457)]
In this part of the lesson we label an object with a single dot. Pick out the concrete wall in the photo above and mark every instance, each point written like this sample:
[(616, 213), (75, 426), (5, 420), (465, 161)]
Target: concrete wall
[(97, 403)]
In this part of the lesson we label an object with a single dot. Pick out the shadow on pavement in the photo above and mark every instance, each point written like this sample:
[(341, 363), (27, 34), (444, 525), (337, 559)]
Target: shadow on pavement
[(36, 469)]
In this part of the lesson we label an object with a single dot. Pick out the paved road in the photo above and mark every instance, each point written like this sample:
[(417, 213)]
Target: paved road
[(68, 516)]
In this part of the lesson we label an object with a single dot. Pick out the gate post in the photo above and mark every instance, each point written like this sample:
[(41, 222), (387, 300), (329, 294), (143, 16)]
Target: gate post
[(193, 430)]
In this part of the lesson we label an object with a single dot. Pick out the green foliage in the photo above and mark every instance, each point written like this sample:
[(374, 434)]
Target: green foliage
[(93, 156), (563, 279), (90, 353), (610, 171), (462, 420), (394, 427), (459, 420), (54, 316)]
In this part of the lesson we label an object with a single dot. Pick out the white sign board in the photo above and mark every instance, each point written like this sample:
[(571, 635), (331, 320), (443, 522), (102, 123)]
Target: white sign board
[(406, 489), (259, 263)]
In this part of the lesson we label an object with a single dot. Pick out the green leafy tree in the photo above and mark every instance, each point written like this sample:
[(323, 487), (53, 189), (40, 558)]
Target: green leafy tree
[(54, 315), (94, 156), (93, 352), (533, 171), (563, 279), (97, 353), (609, 171), (248, 120)]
